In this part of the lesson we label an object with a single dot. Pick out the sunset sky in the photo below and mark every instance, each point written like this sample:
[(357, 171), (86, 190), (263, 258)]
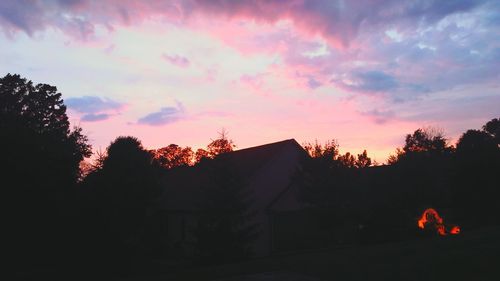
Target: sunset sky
[(362, 72)]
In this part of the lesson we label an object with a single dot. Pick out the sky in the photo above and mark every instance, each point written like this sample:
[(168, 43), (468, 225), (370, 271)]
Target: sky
[(364, 73)]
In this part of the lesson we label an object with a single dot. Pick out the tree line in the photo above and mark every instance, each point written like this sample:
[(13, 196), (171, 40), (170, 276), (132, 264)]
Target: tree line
[(382, 203), (100, 212)]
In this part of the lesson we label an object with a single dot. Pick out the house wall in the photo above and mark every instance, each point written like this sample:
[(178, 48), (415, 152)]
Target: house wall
[(270, 182), (267, 185)]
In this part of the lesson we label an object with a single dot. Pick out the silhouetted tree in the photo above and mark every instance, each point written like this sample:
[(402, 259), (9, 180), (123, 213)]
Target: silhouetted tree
[(325, 182), (174, 156), (363, 160), (86, 167), (476, 189), (122, 190), (424, 167), (323, 177), (475, 143), (224, 231), (427, 142), (200, 155), (347, 160), (328, 151), (40, 167), (216, 147), (99, 160), (34, 117), (493, 128), (394, 158), (220, 145)]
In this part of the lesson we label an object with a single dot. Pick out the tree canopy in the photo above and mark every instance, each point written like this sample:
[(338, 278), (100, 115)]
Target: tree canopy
[(426, 142), (122, 188), (174, 156), (225, 230), (40, 166), (493, 128), (34, 116), (220, 145)]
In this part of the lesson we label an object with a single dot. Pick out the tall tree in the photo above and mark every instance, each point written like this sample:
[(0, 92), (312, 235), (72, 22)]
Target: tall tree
[(476, 143), (124, 187), (493, 128), (427, 139), (422, 143), (216, 147), (424, 166), (475, 189), (33, 117), (220, 145), (363, 160), (41, 157), (322, 173), (225, 230)]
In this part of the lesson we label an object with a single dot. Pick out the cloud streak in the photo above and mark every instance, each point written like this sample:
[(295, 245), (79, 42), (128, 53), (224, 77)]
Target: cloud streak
[(165, 115), (91, 117), (176, 60), (94, 108)]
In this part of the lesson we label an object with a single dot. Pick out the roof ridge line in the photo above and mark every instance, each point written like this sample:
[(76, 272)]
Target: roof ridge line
[(266, 144)]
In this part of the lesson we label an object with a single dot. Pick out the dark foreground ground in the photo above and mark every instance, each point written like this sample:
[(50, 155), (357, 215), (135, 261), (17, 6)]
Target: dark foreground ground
[(473, 255)]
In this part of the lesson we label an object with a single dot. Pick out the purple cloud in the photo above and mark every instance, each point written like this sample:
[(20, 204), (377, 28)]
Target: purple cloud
[(369, 81), (91, 117), (21, 15), (176, 60), (166, 115), (313, 83), (92, 104), (396, 49), (94, 108), (459, 108), (339, 21), (380, 116)]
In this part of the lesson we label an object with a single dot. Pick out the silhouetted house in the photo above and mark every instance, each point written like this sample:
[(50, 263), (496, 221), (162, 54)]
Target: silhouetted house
[(267, 170)]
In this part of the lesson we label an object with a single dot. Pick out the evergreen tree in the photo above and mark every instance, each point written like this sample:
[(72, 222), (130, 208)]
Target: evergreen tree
[(220, 145), (225, 230)]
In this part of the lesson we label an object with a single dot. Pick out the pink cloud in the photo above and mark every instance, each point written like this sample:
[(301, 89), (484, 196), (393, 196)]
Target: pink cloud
[(337, 21), (361, 60), (254, 81)]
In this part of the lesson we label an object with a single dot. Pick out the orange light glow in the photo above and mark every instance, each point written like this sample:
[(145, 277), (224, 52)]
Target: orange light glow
[(455, 230), (431, 218)]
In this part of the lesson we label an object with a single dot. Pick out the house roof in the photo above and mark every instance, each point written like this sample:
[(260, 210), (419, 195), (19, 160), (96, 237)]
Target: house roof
[(266, 169)]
